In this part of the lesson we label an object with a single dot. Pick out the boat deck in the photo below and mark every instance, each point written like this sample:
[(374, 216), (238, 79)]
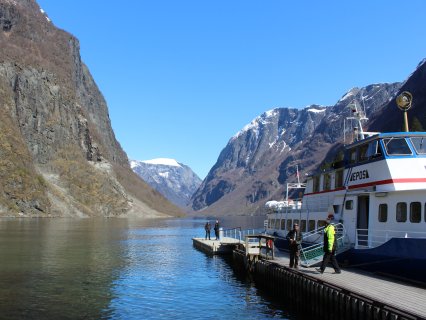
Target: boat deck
[(379, 289)]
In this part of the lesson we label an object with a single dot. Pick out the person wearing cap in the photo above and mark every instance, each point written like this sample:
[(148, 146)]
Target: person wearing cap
[(295, 239), (329, 246)]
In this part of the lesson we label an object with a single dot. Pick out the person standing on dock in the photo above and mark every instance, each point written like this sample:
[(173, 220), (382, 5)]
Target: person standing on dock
[(216, 229), (207, 227), (295, 239), (329, 246)]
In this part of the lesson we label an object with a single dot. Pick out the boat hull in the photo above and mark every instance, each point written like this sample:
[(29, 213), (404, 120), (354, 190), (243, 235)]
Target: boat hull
[(399, 257)]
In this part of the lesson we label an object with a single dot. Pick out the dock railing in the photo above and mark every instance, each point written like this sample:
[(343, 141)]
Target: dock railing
[(259, 246), (239, 234)]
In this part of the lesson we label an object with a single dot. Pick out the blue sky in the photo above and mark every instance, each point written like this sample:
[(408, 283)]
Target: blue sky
[(181, 77)]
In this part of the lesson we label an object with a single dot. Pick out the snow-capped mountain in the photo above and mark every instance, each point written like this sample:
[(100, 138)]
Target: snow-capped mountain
[(258, 160), (174, 180)]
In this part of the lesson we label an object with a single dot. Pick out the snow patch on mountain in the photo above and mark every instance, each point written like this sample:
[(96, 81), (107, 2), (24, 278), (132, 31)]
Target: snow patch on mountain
[(254, 125), (164, 174), (45, 15), (315, 110), (349, 95), (163, 161)]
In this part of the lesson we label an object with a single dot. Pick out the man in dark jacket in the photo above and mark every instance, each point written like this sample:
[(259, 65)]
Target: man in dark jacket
[(295, 239), (207, 227), (216, 229)]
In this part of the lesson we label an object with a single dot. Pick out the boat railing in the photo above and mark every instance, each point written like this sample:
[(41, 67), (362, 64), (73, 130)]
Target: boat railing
[(285, 210), (311, 255), (371, 238), (313, 235)]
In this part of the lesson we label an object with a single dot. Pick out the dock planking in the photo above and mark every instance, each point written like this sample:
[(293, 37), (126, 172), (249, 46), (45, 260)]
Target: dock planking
[(382, 290)]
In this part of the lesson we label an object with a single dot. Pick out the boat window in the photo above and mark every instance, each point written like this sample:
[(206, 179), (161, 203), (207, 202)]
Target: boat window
[(401, 212), (289, 225), (277, 224), (396, 146), (362, 153), (295, 221), (302, 225), (383, 212), (352, 155), (283, 224), (316, 184), (311, 225), (419, 144), (321, 223), (349, 204), (326, 182), (338, 179), (336, 208), (425, 212), (374, 150), (415, 212)]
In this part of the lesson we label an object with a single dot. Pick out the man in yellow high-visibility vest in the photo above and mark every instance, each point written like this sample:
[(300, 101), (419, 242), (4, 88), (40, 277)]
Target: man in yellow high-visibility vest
[(329, 247)]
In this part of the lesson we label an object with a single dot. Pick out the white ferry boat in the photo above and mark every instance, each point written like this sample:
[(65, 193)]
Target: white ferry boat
[(377, 196)]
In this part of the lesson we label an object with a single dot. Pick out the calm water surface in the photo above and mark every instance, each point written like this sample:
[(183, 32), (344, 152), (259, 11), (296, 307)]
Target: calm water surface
[(121, 269)]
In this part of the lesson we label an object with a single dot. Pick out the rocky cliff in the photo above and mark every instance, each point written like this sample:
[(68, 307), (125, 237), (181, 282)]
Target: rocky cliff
[(259, 160), (58, 152), (174, 180)]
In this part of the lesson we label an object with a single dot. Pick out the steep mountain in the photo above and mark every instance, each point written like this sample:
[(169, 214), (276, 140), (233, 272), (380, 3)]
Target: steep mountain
[(390, 118), (259, 160), (58, 152), (176, 181)]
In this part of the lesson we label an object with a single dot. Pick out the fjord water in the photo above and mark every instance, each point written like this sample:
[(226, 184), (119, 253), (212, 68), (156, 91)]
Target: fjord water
[(121, 269)]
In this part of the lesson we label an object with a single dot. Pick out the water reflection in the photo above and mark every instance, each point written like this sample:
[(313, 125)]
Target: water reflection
[(120, 269), (165, 277), (57, 268)]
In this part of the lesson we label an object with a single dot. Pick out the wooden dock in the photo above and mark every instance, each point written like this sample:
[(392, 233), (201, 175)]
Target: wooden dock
[(353, 294), (223, 246)]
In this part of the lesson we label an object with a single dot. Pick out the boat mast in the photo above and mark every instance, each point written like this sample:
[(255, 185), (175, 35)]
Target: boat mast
[(297, 185), (358, 115)]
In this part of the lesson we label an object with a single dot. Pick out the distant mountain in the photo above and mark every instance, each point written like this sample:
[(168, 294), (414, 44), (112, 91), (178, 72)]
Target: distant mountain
[(58, 152), (176, 181), (259, 160)]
